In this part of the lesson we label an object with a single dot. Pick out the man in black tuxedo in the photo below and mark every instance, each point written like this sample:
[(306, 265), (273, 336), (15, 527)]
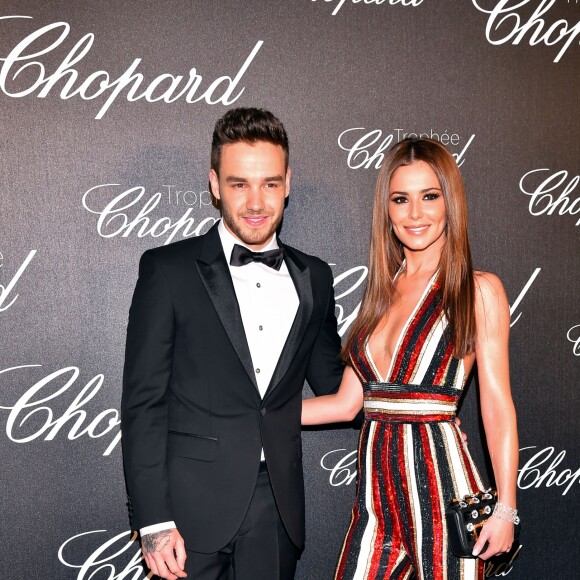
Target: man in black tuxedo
[(223, 330)]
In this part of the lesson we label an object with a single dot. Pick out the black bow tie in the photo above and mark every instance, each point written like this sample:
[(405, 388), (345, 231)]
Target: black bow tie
[(242, 256)]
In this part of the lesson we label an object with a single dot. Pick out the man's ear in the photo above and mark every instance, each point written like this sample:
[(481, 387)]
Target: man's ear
[(288, 172), (214, 183)]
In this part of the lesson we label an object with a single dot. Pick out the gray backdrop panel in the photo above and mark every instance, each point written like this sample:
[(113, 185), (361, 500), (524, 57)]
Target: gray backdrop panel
[(502, 93)]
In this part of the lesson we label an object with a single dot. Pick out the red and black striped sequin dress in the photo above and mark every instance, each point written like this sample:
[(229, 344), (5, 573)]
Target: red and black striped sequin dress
[(411, 458)]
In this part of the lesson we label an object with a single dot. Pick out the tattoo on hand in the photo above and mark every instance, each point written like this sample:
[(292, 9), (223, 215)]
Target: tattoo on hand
[(156, 541)]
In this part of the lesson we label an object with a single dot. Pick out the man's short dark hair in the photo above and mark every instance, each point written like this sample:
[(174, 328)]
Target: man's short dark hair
[(248, 125)]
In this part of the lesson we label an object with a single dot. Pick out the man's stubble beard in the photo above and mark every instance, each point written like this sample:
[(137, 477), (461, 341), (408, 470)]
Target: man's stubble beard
[(258, 237)]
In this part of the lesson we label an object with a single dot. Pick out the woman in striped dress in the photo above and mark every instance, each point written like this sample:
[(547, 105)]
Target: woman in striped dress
[(425, 318)]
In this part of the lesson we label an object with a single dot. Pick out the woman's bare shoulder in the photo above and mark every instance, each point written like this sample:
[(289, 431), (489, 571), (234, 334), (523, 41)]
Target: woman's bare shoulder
[(489, 290)]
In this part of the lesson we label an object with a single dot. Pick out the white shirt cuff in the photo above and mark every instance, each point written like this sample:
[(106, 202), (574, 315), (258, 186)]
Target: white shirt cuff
[(156, 528)]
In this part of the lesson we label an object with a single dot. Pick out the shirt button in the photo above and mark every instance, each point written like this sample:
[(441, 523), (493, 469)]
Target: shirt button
[(260, 327), (259, 285), (258, 371)]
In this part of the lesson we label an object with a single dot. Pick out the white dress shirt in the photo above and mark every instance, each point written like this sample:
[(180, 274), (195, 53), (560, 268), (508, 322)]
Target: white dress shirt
[(268, 304)]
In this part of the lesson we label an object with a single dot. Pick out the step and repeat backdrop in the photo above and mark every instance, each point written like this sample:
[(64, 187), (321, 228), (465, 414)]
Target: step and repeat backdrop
[(107, 110)]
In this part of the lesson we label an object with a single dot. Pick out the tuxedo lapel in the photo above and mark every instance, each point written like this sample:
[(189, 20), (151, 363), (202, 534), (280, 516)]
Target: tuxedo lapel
[(215, 275), (300, 275)]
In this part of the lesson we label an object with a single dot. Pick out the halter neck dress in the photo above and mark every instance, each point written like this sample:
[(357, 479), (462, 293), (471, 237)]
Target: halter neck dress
[(411, 458)]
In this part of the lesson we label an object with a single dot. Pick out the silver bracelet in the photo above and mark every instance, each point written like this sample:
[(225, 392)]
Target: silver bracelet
[(504, 512)]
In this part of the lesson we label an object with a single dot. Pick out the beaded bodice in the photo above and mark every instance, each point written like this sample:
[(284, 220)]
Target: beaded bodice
[(424, 381)]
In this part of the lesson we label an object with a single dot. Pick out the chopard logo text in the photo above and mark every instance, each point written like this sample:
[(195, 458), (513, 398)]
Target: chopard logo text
[(506, 24), (21, 75)]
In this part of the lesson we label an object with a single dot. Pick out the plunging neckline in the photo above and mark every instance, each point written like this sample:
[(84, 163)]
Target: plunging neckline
[(403, 332)]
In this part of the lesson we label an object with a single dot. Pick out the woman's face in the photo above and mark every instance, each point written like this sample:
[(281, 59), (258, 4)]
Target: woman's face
[(417, 208)]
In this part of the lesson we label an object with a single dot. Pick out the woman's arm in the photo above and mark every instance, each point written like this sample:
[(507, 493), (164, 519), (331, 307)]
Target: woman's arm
[(497, 408), (341, 406)]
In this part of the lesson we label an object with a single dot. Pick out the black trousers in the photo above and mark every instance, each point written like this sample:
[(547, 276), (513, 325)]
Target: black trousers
[(261, 549)]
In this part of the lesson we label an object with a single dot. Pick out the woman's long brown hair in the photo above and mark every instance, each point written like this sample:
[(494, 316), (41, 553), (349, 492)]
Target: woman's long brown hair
[(386, 252)]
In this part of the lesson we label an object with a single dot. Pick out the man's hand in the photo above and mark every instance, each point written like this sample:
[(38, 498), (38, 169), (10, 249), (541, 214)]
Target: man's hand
[(463, 435), (164, 553)]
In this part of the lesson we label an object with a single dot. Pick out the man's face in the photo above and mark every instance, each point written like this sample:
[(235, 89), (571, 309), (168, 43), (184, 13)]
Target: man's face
[(252, 187)]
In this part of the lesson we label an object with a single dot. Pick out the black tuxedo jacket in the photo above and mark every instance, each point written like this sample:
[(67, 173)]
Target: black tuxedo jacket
[(193, 420)]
